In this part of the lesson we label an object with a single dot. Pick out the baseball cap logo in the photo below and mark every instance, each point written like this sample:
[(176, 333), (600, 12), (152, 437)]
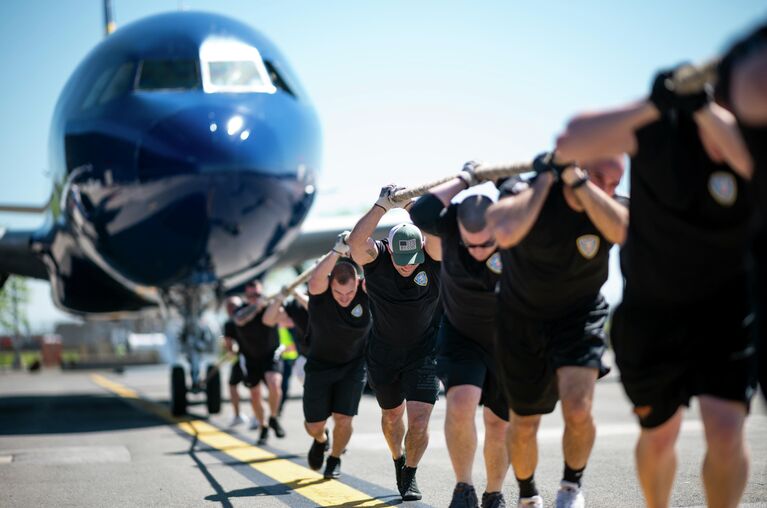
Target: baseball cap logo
[(407, 245)]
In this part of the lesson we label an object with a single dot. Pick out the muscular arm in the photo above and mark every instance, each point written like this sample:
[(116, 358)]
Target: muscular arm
[(718, 126), (433, 246), (360, 240), (591, 136), (276, 315), (318, 283), (609, 216), (302, 299), (514, 216)]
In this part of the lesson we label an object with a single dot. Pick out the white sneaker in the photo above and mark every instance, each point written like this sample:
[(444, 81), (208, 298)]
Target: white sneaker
[(253, 424), (237, 419), (530, 502), (570, 496)]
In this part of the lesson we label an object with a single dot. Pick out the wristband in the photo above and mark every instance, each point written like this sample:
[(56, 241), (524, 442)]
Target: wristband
[(579, 182)]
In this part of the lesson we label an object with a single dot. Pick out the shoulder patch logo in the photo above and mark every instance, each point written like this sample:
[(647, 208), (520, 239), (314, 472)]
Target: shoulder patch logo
[(357, 310), (421, 279), (588, 245), (723, 188), (494, 263)]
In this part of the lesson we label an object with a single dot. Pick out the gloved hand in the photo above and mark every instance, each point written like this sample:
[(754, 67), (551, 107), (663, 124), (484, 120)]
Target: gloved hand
[(385, 200), (665, 98), (341, 247), (544, 163), (468, 175)]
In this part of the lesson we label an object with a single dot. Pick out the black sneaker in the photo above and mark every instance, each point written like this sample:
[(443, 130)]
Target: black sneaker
[(264, 436), (464, 496), (274, 423), (332, 468), (493, 500), (316, 455), (398, 465), (409, 489)]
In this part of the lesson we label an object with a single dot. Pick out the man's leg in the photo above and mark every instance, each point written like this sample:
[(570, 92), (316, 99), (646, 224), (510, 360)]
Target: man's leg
[(234, 397), (417, 437), (656, 460), (725, 467), (342, 433), (460, 430), (496, 457), (316, 430), (393, 427), (576, 391), (274, 384), (522, 443), (258, 405)]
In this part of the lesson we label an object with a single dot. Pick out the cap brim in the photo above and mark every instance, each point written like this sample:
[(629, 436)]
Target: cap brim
[(409, 259)]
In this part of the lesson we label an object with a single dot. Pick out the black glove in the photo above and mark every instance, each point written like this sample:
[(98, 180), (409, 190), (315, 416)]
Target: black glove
[(544, 163), (664, 98)]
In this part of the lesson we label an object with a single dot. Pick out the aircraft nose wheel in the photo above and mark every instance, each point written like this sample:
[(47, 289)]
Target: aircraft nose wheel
[(178, 390), (213, 389)]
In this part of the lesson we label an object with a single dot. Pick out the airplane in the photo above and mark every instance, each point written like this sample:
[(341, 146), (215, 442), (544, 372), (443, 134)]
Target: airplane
[(184, 153)]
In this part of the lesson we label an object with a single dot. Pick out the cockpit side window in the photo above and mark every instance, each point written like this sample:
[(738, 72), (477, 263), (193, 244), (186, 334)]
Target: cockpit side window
[(157, 75), (112, 83)]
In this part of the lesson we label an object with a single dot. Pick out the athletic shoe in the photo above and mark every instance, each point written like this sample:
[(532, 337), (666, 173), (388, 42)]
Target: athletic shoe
[(332, 468), (316, 455), (530, 502), (264, 436), (274, 423), (464, 496), (254, 425), (570, 496), (398, 465), (493, 500), (409, 490), (238, 419)]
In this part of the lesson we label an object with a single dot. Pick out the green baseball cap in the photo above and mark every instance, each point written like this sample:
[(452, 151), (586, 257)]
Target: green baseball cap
[(406, 244)]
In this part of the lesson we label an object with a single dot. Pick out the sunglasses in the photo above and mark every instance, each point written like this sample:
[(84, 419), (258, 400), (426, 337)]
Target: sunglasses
[(485, 245)]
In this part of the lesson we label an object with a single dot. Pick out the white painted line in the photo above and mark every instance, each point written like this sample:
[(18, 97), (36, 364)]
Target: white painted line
[(6, 459)]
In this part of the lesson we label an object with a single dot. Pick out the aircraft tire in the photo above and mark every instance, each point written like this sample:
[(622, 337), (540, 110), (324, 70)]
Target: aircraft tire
[(213, 390), (177, 390)]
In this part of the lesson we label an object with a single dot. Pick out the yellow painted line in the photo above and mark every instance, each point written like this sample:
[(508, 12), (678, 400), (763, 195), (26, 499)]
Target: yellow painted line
[(302, 480)]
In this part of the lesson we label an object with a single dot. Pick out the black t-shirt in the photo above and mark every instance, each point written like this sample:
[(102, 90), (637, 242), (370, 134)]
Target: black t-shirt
[(560, 266), (405, 309), (468, 285), (689, 217), (300, 317), (230, 330), (337, 334), (256, 340)]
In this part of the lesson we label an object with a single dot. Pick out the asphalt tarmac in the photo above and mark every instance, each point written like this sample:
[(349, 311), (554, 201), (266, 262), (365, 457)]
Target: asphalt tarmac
[(106, 439)]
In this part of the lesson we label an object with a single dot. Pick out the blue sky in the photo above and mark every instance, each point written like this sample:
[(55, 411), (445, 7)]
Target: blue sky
[(406, 90)]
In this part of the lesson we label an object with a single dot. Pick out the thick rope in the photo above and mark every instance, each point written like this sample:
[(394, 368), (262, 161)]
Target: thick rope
[(690, 79), (482, 172)]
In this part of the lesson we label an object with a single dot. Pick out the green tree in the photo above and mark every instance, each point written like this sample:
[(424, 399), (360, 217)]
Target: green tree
[(13, 317)]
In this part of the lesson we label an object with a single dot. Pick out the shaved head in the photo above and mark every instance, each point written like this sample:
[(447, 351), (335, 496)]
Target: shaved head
[(471, 212), (606, 173)]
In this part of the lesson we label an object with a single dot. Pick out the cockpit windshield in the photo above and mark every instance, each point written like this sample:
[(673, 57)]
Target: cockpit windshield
[(230, 66), (168, 75)]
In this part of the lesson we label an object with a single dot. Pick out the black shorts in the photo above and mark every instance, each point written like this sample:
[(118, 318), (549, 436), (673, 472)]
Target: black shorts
[(235, 375), (254, 369), (529, 352), (397, 375), (667, 354), (462, 361), (332, 389)]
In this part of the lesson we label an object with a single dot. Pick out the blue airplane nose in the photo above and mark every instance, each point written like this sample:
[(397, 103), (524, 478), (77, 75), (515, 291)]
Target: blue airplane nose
[(211, 139)]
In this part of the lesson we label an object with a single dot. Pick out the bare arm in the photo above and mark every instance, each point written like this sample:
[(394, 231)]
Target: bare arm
[(319, 281), (591, 136), (719, 127), (360, 240), (302, 299), (246, 314), (275, 315), (433, 246), (447, 191), (609, 216), (514, 216), (749, 88)]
